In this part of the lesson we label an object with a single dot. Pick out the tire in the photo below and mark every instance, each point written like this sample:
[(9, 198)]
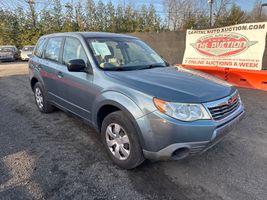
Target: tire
[(115, 141), (41, 99)]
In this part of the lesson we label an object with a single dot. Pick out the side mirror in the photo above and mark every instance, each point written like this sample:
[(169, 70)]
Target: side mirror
[(76, 65)]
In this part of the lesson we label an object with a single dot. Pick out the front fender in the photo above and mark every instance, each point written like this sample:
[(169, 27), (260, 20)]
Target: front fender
[(124, 103), (119, 100)]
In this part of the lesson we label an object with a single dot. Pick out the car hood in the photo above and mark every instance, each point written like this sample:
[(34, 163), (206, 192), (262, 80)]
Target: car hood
[(175, 84), (26, 52)]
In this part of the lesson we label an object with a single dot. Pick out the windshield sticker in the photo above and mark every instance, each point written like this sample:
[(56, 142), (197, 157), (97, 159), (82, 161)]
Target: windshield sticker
[(101, 48)]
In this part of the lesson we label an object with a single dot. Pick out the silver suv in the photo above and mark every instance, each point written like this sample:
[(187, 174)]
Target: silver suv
[(142, 106), (8, 53)]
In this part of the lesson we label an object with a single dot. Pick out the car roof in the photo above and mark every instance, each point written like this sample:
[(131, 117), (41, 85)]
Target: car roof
[(90, 35), (9, 46)]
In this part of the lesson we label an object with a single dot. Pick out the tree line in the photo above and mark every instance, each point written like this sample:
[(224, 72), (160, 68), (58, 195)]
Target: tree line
[(22, 26), (187, 14), (25, 23)]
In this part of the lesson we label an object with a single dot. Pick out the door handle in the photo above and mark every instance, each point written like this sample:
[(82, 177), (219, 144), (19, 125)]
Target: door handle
[(38, 67), (59, 74)]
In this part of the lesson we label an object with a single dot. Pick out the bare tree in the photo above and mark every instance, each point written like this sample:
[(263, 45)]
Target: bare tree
[(257, 13), (176, 11), (169, 6), (220, 10), (179, 11)]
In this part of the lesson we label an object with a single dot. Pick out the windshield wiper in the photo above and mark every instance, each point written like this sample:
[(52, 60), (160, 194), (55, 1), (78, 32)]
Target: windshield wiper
[(129, 68), (114, 69), (126, 68), (152, 66)]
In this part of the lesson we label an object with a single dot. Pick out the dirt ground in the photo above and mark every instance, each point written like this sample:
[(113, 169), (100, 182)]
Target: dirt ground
[(9, 69), (58, 156)]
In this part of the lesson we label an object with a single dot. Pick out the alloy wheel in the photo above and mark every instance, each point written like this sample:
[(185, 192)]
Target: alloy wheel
[(118, 141), (39, 98)]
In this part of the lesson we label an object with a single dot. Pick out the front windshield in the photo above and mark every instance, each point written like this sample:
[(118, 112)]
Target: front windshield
[(124, 54), (27, 48), (6, 49)]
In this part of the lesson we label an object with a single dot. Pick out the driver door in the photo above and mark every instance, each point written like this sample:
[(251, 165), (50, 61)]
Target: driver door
[(79, 85)]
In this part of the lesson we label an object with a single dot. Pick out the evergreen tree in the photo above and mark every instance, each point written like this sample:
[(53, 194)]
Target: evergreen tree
[(57, 16), (45, 24), (232, 17), (9, 28), (79, 17), (152, 19), (68, 24), (119, 19), (24, 26), (236, 16), (111, 17), (101, 19), (128, 19), (90, 15), (141, 19)]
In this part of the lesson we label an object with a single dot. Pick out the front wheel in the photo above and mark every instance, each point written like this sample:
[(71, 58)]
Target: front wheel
[(120, 140)]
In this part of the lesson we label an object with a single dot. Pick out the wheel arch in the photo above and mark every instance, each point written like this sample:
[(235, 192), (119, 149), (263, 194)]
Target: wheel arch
[(36, 77), (122, 103), (34, 80)]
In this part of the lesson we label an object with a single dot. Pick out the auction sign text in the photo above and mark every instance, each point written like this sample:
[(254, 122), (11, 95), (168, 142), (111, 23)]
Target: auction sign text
[(241, 46)]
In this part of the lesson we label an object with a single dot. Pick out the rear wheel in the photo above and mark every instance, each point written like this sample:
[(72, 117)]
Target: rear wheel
[(121, 142), (41, 100)]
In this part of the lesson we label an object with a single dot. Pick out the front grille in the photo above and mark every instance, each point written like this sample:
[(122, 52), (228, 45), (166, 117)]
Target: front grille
[(225, 108)]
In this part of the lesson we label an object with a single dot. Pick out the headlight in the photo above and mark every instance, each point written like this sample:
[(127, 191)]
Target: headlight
[(182, 111)]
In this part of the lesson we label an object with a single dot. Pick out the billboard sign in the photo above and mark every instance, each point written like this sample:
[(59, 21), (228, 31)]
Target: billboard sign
[(240, 46)]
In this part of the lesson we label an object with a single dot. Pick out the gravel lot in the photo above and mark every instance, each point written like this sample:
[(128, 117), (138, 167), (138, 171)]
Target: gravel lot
[(9, 69), (58, 156)]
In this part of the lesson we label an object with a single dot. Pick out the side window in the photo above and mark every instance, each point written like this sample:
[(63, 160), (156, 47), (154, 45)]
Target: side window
[(73, 50), (53, 49), (39, 47)]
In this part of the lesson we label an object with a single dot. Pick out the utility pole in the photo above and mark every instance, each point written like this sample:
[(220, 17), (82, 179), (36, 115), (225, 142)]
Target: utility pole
[(210, 2), (262, 5), (33, 14)]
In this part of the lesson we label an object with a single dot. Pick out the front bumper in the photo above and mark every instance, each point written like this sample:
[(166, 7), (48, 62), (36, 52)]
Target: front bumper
[(200, 137), (24, 57), (7, 58)]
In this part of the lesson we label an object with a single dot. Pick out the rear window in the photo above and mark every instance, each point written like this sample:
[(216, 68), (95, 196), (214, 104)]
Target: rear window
[(39, 47), (52, 49)]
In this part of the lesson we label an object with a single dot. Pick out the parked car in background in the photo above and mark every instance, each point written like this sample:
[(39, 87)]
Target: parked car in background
[(8, 53), (142, 106), (26, 52)]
